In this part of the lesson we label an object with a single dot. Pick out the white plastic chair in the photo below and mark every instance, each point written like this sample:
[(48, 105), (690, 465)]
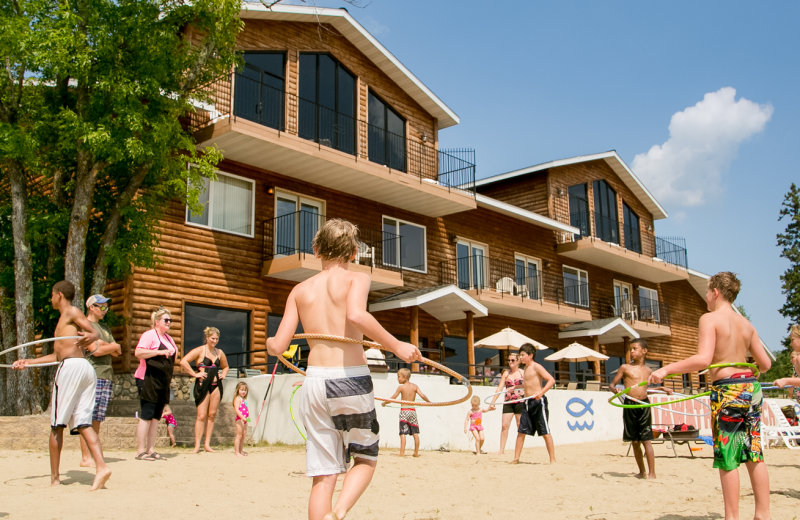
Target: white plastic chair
[(365, 254), (783, 431), (505, 285)]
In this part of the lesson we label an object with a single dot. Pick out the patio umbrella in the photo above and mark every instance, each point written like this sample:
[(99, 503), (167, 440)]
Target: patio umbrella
[(576, 352), (508, 338)]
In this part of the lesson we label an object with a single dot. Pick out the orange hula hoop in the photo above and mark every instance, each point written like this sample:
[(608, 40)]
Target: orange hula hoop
[(461, 379)]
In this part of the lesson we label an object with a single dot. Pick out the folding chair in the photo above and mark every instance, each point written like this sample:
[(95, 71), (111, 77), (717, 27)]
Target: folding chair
[(790, 435)]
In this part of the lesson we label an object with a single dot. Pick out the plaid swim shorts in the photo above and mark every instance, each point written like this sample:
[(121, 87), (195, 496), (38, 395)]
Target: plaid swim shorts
[(102, 395)]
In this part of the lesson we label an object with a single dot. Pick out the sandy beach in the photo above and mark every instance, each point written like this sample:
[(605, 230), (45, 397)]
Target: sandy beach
[(591, 481)]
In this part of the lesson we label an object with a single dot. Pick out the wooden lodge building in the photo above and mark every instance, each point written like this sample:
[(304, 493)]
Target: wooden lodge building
[(324, 122)]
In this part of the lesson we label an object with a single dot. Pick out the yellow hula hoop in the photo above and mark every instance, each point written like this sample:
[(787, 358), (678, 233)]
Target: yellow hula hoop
[(461, 379), (611, 401)]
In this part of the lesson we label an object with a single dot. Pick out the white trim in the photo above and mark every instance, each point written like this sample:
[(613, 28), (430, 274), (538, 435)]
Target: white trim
[(619, 322), (400, 253), (210, 225), (367, 44), (614, 161), (524, 215), (480, 310)]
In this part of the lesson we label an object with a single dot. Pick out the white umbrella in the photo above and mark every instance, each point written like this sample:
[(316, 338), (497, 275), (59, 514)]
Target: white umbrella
[(576, 352), (508, 338)]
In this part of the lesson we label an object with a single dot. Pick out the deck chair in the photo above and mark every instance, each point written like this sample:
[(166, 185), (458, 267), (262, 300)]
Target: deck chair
[(572, 386), (783, 431), (505, 285), (628, 311), (365, 254), (251, 372), (593, 386)]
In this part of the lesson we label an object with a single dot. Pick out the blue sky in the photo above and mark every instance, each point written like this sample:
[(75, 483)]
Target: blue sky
[(536, 81)]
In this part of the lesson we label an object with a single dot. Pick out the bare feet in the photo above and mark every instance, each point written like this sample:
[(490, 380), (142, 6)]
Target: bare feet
[(100, 479), (416, 455), (651, 476), (401, 454), (87, 463), (55, 481), (244, 453), (208, 449), (515, 461), (239, 454), (640, 475), (196, 449), (499, 453), (332, 516)]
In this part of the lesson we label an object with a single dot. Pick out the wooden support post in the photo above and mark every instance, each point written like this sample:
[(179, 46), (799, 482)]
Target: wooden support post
[(470, 343), (626, 341), (414, 334), (596, 348)]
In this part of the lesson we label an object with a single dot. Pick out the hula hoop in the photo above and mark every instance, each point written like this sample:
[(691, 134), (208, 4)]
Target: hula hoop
[(54, 363), (291, 412), (505, 402), (659, 407), (776, 387), (48, 340), (461, 379), (611, 399)]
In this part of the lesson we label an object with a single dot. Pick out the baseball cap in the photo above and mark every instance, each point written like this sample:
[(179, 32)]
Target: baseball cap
[(96, 298)]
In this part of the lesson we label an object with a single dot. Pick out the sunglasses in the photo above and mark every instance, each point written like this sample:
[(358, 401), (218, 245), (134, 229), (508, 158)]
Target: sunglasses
[(101, 307), (167, 320)]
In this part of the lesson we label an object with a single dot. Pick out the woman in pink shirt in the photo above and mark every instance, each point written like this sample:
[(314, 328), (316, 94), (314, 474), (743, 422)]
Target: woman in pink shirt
[(156, 352)]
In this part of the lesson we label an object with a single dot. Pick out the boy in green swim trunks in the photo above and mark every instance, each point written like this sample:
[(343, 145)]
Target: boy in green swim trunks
[(726, 337)]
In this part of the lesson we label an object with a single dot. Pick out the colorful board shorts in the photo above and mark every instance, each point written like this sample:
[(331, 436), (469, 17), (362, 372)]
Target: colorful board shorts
[(409, 424), (72, 399), (102, 396), (337, 408), (637, 422), (736, 422)]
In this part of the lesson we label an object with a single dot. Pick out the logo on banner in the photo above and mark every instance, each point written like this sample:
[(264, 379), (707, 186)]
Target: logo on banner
[(580, 412)]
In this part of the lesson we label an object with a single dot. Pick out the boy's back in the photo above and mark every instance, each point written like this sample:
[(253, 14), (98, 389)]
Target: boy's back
[(733, 335), (408, 391)]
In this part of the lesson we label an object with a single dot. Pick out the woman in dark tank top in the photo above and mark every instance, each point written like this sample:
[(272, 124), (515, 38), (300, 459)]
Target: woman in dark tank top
[(211, 368)]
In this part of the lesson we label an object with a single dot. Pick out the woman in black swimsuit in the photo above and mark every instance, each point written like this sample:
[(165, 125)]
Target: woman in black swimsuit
[(511, 378), (212, 367)]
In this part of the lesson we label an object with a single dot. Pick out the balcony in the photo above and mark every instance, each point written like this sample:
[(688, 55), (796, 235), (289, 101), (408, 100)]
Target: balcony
[(288, 255), (646, 256), (507, 289), (649, 317), (256, 124)]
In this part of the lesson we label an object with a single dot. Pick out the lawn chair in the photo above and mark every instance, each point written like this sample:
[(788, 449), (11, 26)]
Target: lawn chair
[(365, 254), (628, 311), (251, 372), (505, 285), (593, 386), (782, 430), (572, 386)]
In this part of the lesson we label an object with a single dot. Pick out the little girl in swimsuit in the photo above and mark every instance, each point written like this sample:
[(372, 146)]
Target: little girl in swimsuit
[(242, 418), (473, 422), (171, 424)]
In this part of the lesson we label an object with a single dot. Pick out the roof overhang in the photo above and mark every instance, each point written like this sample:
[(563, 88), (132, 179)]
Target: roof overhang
[(445, 303), (366, 43), (612, 159), (523, 215), (608, 331)]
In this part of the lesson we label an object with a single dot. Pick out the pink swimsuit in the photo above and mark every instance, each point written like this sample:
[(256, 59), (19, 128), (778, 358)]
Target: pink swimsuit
[(244, 411), (475, 419)]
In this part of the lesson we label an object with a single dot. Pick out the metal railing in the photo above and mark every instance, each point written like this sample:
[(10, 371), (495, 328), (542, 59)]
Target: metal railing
[(293, 233), (250, 98), (580, 220), (513, 281), (633, 239), (606, 228), (632, 310), (672, 250)]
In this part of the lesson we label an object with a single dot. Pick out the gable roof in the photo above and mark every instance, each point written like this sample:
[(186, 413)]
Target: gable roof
[(612, 159), (523, 215), (443, 302), (366, 43)]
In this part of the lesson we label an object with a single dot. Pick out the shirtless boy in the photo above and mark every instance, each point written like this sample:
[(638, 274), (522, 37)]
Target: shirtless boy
[(638, 422), (72, 400), (337, 405), (536, 415), (725, 337), (409, 424)]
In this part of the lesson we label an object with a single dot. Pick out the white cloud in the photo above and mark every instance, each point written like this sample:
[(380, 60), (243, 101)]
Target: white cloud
[(374, 27), (703, 140)]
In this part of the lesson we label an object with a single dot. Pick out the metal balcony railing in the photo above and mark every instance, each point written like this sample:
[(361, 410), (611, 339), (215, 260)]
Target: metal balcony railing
[(249, 97), (634, 309), (606, 228), (672, 250), (293, 234), (513, 281), (633, 239)]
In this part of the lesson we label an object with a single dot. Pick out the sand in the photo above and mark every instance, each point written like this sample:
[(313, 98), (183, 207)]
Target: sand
[(591, 481)]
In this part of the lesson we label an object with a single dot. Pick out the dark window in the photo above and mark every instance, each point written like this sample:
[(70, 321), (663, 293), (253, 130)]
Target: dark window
[(579, 209), (301, 357), (412, 251), (327, 110), (687, 380), (455, 351), (612, 366), (387, 135), (259, 92), (581, 372), (234, 331), (605, 212), (633, 238)]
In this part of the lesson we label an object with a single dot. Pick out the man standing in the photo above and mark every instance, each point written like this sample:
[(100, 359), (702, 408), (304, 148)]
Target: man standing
[(99, 355)]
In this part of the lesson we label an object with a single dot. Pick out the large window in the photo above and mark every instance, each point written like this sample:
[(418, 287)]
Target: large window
[(633, 237), (228, 205), (528, 281), (233, 325), (301, 356), (471, 265), (605, 212), (327, 102), (576, 286), (648, 305), (412, 253), (623, 301), (579, 209), (259, 91), (297, 220), (387, 134)]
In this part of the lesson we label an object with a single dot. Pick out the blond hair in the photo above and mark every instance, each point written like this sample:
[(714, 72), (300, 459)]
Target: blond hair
[(727, 284), (337, 239), (158, 314), (209, 331), (475, 400), (794, 331), (236, 392), (406, 373)]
